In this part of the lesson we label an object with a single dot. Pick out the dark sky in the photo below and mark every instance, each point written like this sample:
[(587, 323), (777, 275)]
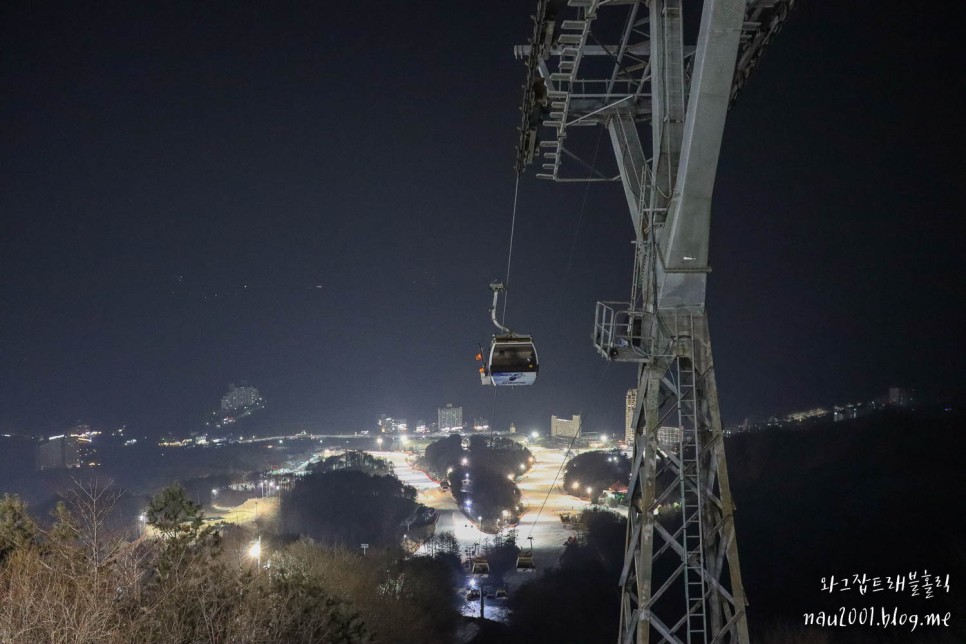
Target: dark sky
[(314, 196)]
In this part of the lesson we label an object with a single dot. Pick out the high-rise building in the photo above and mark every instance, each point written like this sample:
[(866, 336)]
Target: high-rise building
[(241, 398), (899, 397), (630, 402), (450, 418), (390, 425), (60, 452), (563, 428)]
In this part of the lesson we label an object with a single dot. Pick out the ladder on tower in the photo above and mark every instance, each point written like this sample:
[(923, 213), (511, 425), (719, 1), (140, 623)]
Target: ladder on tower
[(690, 482)]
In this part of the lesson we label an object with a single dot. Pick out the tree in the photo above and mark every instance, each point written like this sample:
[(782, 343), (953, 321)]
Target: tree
[(185, 539), (597, 471), (349, 507), (443, 454), (84, 514), (17, 529)]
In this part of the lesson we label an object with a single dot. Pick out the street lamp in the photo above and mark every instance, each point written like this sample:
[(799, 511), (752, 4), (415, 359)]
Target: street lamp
[(255, 551), (379, 443), (575, 485), (523, 466), (534, 434), (465, 461)]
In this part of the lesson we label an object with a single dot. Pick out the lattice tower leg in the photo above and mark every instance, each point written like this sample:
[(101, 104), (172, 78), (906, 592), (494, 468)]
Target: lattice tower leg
[(681, 580)]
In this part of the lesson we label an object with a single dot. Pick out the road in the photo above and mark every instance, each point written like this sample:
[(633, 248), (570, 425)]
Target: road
[(541, 520), (544, 505)]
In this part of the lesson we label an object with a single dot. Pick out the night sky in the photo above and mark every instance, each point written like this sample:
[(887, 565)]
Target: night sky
[(313, 197)]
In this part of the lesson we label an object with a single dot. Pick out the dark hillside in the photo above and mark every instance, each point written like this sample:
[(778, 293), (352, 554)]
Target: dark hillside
[(879, 495)]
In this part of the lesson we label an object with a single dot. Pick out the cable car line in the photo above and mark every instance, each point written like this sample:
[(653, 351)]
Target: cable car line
[(560, 469), (513, 226), (580, 219)]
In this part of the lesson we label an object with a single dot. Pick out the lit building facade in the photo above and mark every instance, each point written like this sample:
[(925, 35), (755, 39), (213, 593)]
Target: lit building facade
[(563, 428), (60, 452), (630, 402), (899, 397), (390, 425), (240, 398), (449, 418)]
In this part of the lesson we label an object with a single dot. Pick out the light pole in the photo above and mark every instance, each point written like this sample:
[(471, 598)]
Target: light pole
[(255, 551)]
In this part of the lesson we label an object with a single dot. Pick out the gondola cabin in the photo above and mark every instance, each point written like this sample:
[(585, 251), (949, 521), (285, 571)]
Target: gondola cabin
[(513, 361)]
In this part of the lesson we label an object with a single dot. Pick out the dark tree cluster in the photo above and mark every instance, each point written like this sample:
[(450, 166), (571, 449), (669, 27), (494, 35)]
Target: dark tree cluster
[(355, 460), (501, 555), (442, 455), (867, 496), (577, 602), (75, 581), (481, 492), (596, 471), (348, 507), (500, 455), (834, 499), (485, 485)]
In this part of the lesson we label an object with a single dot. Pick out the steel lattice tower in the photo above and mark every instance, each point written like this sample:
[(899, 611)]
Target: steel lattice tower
[(630, 67)]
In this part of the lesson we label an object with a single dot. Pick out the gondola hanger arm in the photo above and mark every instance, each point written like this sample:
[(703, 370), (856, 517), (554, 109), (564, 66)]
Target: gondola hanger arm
[(497, 288)]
